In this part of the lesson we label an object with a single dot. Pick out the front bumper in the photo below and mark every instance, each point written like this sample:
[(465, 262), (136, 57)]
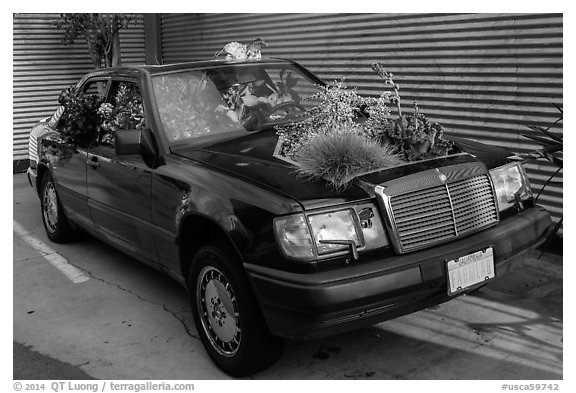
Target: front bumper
[(327, 303)]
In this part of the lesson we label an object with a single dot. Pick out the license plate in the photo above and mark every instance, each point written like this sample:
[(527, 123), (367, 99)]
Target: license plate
[(469, 270)]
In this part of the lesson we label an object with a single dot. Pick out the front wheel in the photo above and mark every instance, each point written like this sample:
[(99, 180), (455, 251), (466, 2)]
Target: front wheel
[(57, 227), (227, 317)]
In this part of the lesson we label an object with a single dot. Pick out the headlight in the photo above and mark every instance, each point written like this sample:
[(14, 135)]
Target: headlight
[(294, 236), (338, 225), (321, 234), (510, 181)]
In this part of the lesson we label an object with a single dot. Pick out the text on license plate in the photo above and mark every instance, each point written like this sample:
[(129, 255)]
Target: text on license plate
[(470, 270)]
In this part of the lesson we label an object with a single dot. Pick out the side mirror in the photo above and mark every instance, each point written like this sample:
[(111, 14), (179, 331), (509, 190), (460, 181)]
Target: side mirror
[(134, 142)]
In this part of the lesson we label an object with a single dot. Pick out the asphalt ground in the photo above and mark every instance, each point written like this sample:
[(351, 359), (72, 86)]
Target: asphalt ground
[(85, 310)]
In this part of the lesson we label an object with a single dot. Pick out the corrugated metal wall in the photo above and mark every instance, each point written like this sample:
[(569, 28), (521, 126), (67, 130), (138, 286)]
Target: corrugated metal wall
[(483, 76), (43, 66)]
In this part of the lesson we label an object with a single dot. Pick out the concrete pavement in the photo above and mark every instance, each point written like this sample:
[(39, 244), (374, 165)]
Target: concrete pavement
[(128, 321)]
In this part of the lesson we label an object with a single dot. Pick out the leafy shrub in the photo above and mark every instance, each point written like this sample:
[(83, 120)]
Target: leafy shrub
[(552, 144), (342, 154), (336, 107), (416, 138), (127, 112), (408, 137), (80, 121), (552, 150)]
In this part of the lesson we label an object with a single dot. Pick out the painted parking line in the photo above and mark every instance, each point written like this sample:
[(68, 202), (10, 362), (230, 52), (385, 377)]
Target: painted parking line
[(58, 261)]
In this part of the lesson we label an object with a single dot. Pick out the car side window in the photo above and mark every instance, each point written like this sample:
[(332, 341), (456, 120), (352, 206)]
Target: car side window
[(123, 111), (96, 87), (77, 114)]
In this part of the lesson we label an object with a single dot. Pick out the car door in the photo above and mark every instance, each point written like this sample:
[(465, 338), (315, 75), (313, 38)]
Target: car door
[(69, 169), (119, 186)]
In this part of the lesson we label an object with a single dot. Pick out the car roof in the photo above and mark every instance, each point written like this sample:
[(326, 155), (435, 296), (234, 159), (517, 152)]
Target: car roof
[(135, 70)]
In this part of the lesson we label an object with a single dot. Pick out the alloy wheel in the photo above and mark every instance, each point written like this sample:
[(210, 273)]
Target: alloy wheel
[(218, 310), (50, 207)]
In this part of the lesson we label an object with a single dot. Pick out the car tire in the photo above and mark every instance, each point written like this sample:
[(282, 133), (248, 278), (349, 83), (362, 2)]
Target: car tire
[(226, 314), (57, 226)]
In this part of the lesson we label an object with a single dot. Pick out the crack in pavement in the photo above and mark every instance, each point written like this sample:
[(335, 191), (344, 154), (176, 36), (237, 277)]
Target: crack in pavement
[(29, 258), (164, 306), (46, 251)]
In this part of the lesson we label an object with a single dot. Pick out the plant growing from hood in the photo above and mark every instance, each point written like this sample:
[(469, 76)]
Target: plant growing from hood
[(341, 155), (338, 110), (415, 136)]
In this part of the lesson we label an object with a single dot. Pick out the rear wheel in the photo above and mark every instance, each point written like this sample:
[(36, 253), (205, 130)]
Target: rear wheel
[(57, 227), (227, 317)]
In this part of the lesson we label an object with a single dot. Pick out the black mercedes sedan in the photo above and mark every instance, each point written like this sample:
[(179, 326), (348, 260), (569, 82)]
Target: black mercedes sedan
[(167, 169)]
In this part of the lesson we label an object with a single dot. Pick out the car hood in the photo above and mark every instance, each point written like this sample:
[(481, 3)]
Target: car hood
[(251, 158)]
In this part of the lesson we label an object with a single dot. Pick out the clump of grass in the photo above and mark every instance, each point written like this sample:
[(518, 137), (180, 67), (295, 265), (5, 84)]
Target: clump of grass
[(341, 155)]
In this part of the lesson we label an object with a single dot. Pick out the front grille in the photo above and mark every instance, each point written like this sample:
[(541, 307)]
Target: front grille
[(474, 205), (424, 217)]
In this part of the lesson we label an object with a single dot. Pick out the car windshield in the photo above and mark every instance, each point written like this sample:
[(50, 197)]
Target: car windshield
[(231, 100)]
